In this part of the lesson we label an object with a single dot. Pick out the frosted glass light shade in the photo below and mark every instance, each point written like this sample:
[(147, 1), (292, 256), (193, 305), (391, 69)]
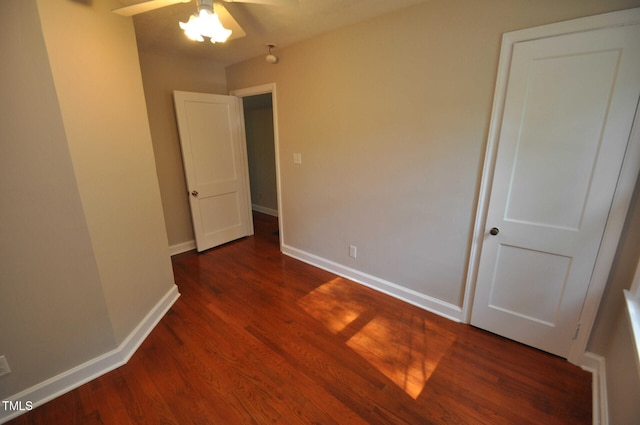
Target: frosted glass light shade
[(205, 24)]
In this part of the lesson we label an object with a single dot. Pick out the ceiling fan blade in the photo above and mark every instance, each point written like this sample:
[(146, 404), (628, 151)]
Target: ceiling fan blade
[(267, 2), (146, 6), (228, 21)]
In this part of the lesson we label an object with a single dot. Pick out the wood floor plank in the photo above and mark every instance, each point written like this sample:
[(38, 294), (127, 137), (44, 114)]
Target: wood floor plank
[(260, 338)]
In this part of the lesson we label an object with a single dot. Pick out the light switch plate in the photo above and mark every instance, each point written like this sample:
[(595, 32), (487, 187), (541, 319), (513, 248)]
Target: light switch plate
[(297, 158)]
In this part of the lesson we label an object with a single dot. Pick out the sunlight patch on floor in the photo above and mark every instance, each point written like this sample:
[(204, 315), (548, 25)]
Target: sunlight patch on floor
[(406, 354), (333, 305), (402, 346)]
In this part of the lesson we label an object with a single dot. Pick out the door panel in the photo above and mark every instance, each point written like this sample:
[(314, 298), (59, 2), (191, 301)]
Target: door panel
[(567, 117), (549, 139), (215, 167), (206, 122)]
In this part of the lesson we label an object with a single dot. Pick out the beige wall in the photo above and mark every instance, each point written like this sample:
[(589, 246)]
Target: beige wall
[(623, 383), (51, 300), (163, 73), (99, 87), (84, 254), (391, 117)]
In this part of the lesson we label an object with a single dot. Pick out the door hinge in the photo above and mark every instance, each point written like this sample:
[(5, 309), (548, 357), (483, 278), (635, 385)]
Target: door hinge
[(577, 331)]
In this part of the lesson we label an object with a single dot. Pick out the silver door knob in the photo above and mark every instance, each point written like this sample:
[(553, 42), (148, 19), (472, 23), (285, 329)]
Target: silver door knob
[(194, 193), (494, 231)]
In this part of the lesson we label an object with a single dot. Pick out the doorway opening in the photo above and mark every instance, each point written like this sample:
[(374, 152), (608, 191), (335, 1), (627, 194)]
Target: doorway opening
[(261, 135), (258, 125)]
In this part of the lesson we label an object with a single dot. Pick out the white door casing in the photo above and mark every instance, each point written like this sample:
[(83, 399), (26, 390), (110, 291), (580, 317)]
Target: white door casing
[(215, 163), (560, 127)]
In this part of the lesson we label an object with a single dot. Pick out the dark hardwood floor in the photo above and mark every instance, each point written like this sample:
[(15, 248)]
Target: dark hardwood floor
[(260, 338)]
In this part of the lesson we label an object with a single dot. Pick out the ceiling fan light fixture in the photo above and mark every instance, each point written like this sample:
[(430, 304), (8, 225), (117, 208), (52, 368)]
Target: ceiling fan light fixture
[(205, 24), (192, 29)]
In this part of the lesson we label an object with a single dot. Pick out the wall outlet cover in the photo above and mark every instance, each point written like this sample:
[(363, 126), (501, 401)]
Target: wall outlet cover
[(4, 366)]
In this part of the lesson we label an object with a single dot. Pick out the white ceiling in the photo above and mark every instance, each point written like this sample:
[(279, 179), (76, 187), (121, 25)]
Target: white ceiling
[(281, 25)]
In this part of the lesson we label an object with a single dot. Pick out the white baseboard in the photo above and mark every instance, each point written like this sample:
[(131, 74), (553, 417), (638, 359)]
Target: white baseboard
[(596, 364), (264, 210), (434, 305), (83, 373), (179, 248), (182, 247)]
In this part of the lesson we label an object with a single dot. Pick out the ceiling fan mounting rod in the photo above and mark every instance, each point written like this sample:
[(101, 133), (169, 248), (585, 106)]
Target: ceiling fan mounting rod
[(205, 4)]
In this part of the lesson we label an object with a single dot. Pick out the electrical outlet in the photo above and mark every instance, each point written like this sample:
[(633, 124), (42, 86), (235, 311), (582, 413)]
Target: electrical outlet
[(353, 251), (4, 366)]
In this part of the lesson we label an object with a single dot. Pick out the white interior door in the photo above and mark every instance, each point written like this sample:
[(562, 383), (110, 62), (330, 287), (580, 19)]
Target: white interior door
[(568, 112), (215, 163)]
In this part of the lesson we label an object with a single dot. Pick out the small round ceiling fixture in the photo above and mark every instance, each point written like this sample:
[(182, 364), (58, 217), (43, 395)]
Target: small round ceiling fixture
[(271, 58)]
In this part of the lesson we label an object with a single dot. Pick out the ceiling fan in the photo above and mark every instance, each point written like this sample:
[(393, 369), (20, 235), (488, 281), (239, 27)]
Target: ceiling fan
[(212, 19)]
